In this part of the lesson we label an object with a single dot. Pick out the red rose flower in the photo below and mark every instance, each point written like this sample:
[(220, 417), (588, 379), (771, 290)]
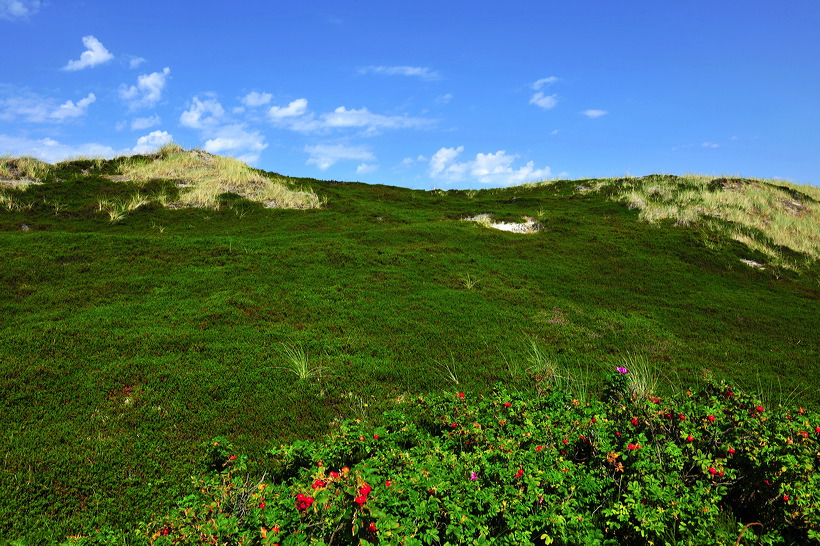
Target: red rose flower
[(461, 395), (507, 404), (711, 418), (360, 500)]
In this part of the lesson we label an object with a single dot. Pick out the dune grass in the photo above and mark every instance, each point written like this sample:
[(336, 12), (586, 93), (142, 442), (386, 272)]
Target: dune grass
[(204, 177), (775, 218), (24, 168)]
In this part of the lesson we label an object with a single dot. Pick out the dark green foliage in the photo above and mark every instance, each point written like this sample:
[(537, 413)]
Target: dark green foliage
[(126, 345)]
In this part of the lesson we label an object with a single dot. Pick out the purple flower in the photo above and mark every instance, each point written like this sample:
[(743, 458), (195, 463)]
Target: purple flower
[(621, 369), (473, 476)]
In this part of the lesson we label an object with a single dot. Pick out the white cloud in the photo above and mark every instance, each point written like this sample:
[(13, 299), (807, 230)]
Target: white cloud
[(221, 134), (415, 71), (237, 141), (35, 109), (327, 155), (294, 109), (255, 99), (710, 145), (69, 109), (444, 99), (544, 81), (202, 114), (366, 168), (541, 99), (94, 54), (151, 142), (134, 62), (372, 123), (139, 124), (592, 114), (50, 150), (148, 90), (18, 9), (493, 168), (544, 101)]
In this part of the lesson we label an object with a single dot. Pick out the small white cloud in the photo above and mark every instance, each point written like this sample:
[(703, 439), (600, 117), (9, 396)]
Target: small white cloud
[(148, 90), (140, 124), (18, 9), (202, 114), (94, 54), (444, 99), (541, 99), (592, 114), (414, 71), (544, 81), (237, 141), (50, 150), (710, 145), (255, 99), (69, 109), (294, 109), (151, 142), (493, 168), (555, 132), (372, 123), (365, 168), (134, 62), (325, 156), (544, 101)]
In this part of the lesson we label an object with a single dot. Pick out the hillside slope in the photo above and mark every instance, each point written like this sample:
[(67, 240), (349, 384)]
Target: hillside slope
[(128, 342)]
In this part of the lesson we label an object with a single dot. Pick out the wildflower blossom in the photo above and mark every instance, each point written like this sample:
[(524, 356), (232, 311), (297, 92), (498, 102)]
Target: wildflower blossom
[(621, 370)]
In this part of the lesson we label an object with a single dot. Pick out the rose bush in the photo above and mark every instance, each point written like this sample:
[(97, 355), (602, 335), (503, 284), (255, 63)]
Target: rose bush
[(698, 468)]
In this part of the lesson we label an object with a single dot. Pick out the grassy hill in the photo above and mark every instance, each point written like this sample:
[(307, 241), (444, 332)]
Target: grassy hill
[(145, 310)]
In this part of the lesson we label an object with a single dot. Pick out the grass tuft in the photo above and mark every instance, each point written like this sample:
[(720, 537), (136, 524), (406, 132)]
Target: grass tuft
[(298, 362)]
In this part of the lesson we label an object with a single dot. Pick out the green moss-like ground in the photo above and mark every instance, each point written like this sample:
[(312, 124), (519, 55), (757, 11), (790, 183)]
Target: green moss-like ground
[(125, 346)]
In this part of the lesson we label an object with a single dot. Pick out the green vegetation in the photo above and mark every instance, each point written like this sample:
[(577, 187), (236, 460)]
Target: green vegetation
[(135, 330), (512, 468)]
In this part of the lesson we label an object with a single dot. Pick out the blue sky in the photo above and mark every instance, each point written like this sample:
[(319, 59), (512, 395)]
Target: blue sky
[(423, 94)]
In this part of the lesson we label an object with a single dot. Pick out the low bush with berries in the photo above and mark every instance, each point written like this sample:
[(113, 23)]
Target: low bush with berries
[(711, 466)]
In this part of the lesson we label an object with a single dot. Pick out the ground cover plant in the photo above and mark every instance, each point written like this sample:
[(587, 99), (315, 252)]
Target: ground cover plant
[(711, 466), (128, 343)]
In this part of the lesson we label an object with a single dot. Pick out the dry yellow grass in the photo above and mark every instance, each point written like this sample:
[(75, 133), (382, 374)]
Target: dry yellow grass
[(202, 177), (14, 170), (765, 215)]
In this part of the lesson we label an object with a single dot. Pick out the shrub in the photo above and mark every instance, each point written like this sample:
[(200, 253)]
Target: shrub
[(513, 469)]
